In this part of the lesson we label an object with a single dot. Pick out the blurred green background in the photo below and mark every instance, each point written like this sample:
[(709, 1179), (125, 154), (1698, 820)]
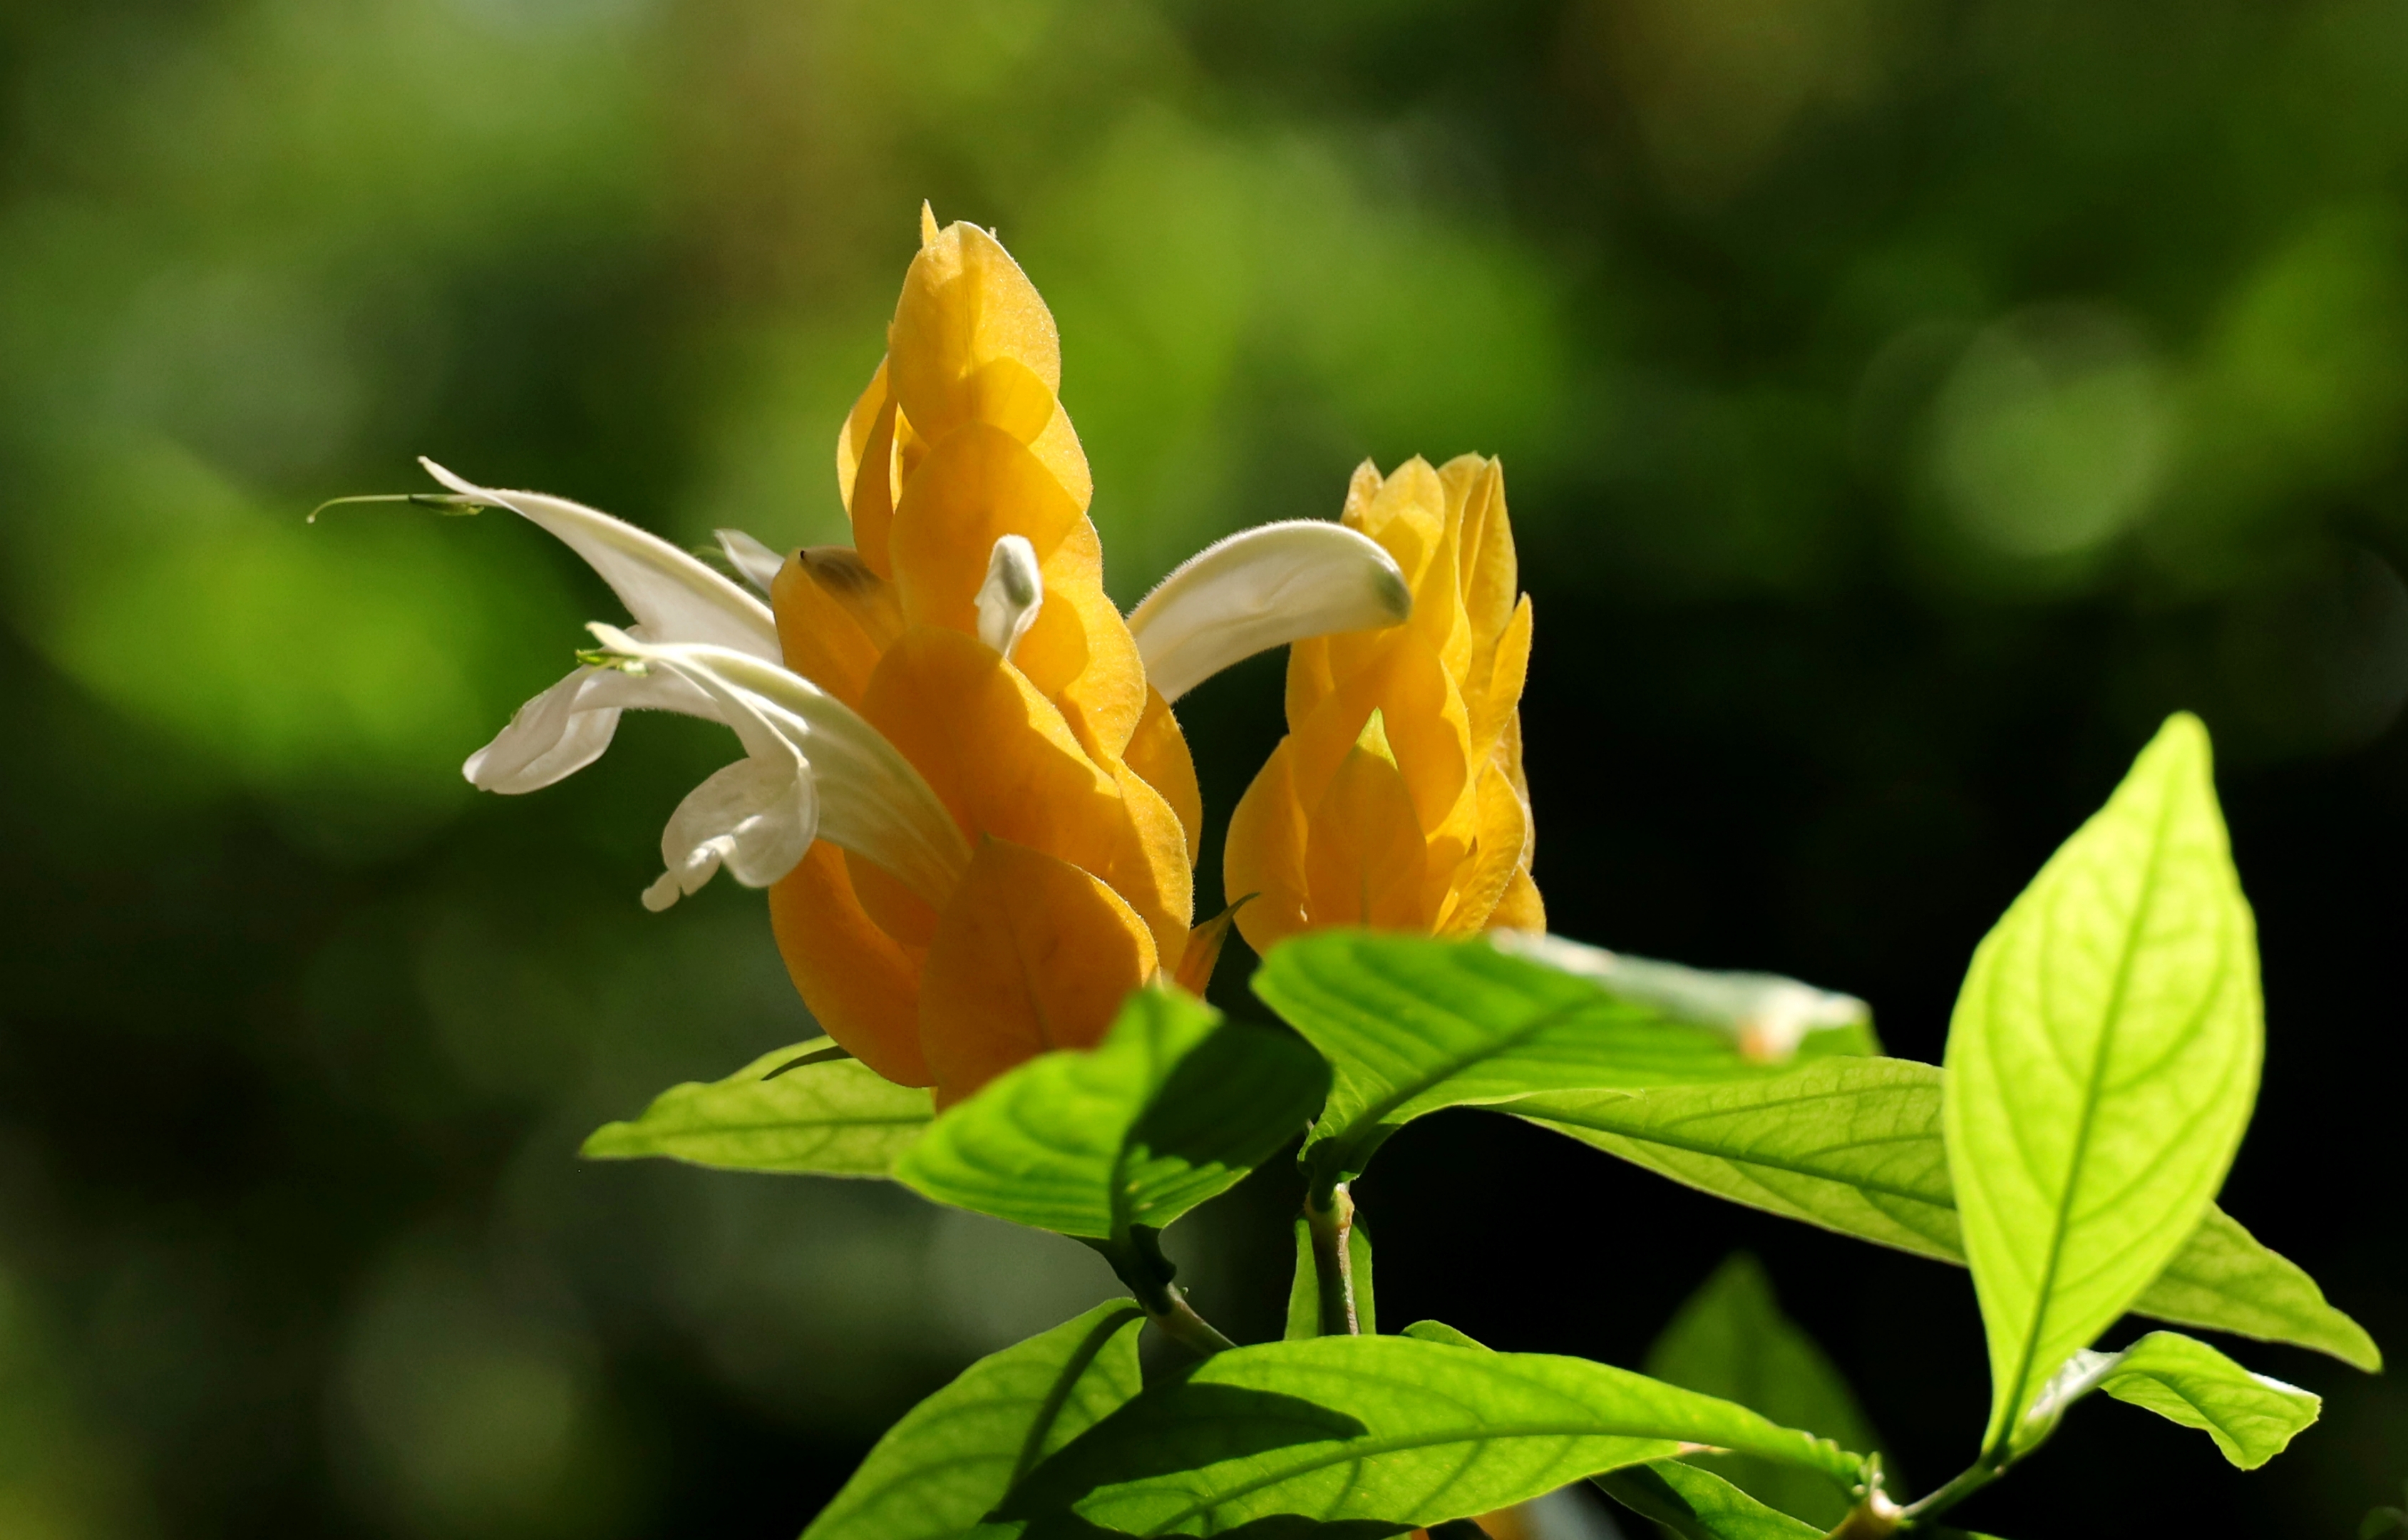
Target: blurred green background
[(1905, 406)]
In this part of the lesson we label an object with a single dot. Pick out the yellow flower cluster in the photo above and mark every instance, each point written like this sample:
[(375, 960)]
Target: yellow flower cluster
[(1396, 800), (1067, 773)]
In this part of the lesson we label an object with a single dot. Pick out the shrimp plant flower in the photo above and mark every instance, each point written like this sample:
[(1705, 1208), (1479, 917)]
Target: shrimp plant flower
[(1397, 800), (961, 782)]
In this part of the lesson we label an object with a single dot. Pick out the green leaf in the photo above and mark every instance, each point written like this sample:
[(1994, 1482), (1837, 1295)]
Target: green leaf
[(1412, 1025), (957, 1454), (2102, 1063), (834, 1118), (1698, 1505), (1174, 1106), (2252, 1418), (1304, 1289), (1384, 1432), (1854, 1146), (1731, 1340)]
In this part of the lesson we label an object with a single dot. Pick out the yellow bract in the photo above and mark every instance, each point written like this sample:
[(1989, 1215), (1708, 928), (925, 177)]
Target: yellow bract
[(1397, 798), (1068, 775)]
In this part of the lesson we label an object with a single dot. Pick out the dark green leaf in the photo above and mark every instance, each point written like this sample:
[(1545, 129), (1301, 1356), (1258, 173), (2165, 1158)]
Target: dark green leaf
[(1698, 1504), (831, 1118), (1385, 1432), (1174, 1106), (1731, 1340), (1854, 1144), (1304, 1288), (2102, 1062), (1411, 1025), (957, 1454)]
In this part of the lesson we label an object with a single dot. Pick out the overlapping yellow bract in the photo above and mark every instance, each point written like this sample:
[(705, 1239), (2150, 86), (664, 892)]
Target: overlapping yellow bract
[(1396, 800), (1066, 771)]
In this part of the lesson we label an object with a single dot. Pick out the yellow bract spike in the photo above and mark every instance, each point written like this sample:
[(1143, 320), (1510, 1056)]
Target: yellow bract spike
[(1373, 739)]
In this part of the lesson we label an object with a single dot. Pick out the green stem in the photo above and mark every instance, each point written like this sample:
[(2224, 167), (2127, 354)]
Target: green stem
[(1964, 1484), (1331, 1225), (1179, 1321)]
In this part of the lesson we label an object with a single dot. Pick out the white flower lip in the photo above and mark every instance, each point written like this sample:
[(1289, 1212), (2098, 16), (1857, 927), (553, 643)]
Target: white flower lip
[(1767, 1015), (823, 774), (1262, 588), (673, 597), (1013, 592)]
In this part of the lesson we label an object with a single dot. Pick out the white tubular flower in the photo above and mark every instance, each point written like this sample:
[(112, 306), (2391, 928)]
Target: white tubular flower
[(1010, 599), (813, 769), (1262, 588), (673, 597), (1767, 1015)]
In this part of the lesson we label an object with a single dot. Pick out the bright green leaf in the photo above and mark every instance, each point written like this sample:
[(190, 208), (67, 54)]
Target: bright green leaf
[(1411, 1025), (2252, 1418), (957, 1454), (835, 1118), (2102, 1063), (1731, 1340), (1698, 1504), (1174, 1106), (1304, 1288), (1854, 1146), (1388, 1432)]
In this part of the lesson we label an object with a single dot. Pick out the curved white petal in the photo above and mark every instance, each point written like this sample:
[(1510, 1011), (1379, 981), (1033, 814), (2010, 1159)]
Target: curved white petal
[(756, 817), (1015, 590), (566, 727), (1262, 588), (673, 596), (870, 798), (1768, 1014), (756, 561)]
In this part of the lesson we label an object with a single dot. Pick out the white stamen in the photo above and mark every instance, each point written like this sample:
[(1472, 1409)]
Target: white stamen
[(1010, 599), (1767, 1015), (1262, 588), (757, 562)]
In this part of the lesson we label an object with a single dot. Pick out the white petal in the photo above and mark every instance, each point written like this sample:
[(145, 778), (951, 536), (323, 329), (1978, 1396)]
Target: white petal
[(566, 727), (1014, 589), (1768, 1016), (870, 800), (756, 817), (757, 562), (673, 596), (1262, 588)]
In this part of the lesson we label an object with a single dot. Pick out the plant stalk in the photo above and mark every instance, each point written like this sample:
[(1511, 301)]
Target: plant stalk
[(1332, 1226), (1964, 1484), (1177, 1320)]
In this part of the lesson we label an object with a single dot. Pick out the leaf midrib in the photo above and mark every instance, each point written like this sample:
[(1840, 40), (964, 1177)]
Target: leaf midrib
[(1402, 1443), (2090, 1098), (1375, 1113)]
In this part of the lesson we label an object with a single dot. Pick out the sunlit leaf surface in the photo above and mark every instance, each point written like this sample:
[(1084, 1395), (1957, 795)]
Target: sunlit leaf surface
[(1854, 1146), (1411, 1025), (831, 1118), (1174, 1106), (2102, 1063), (1382, 1432), (953, 1456)]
